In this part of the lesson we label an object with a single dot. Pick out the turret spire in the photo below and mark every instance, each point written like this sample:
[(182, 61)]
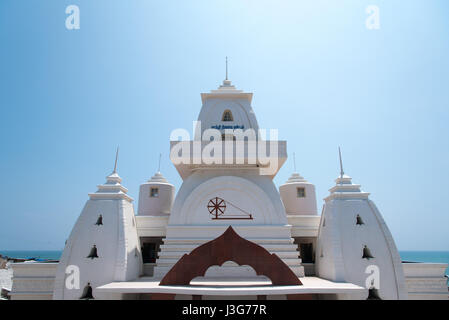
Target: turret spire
[(341, 163), (116, 158), (294, 161), (159, 166)]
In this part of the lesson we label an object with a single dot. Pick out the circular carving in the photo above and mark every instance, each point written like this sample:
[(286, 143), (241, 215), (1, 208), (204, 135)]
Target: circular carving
[(216, 206)]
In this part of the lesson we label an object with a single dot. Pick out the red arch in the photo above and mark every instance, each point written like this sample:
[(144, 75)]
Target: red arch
[(230, 247)]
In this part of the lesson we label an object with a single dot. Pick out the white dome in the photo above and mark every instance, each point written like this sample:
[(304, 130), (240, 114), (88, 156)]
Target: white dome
[(227, 108)]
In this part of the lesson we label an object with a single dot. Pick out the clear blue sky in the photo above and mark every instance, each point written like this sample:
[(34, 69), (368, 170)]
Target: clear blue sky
[(135, 69)]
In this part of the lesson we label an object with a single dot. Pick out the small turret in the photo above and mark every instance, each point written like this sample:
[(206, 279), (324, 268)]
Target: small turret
[(100, 244), (298, 196), (355, 244), (156, 196)]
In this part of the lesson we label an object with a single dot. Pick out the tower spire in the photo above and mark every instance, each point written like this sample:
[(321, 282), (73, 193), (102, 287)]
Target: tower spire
[(341, 163), (116, 158), (226, 68)]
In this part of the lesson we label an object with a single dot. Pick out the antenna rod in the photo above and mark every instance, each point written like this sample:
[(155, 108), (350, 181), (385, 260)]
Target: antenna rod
[(116, 158), (341, 163), (159, 167), (226, 68)]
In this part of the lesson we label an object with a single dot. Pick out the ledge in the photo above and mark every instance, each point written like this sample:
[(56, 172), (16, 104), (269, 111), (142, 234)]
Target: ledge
[(311, 285)]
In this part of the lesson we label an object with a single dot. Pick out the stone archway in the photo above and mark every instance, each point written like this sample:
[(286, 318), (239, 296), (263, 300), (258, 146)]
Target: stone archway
[(230, 247)]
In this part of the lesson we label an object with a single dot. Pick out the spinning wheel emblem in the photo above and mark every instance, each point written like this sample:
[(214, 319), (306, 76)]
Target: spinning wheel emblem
[(216, 206)]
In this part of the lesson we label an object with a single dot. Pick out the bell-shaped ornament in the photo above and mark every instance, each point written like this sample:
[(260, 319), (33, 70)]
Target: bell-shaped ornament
[(373, 294), (99, 221), (367, 253), (87, 293), (93, 252)]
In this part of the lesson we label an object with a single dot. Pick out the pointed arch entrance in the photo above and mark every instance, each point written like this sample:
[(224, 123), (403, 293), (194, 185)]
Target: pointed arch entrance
[(230, 247)]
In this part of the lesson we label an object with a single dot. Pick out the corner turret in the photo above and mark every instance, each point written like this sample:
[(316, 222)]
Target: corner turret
[(298, 196), (355, 245), (103, 246), (156, 196)]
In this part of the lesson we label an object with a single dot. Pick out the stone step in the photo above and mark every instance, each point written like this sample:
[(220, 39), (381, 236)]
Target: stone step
[(169, 254), (171, 262), (161, 271), (197, 242), (189, 247)]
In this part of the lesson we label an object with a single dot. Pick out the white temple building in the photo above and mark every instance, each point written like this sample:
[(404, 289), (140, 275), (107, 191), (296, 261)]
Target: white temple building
[(229, 232)]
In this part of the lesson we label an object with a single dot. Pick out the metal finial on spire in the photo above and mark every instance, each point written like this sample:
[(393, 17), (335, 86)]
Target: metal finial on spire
[(341, 163), (159, 166), (294, 161), (116, 158), (226, 68)]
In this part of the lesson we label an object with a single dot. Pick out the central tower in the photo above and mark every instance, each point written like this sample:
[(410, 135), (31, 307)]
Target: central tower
[(234, 188)]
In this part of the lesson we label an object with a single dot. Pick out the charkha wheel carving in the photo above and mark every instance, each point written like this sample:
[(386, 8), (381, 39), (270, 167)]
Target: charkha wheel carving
[(217, 207)]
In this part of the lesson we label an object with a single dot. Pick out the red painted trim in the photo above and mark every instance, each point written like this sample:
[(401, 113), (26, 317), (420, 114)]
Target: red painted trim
[(230, 247)]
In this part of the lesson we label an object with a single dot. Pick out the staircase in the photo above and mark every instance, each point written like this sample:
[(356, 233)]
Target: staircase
[(173, 249)]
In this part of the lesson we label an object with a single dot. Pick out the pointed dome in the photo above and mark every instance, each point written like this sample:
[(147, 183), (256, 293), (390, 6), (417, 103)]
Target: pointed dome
[(227, 90), (112, 189), (296, 177), (226, 100), (344, 189), (158, 177), (227, 86), (113, 178)]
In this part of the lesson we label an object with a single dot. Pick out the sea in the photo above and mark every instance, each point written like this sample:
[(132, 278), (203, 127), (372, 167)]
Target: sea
[(426, 256), (32, 254), (411, 256)]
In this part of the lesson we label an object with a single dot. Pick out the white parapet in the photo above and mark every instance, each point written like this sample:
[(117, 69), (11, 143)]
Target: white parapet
[(152, 226), (304, 226), (426, 281), (33, 280)]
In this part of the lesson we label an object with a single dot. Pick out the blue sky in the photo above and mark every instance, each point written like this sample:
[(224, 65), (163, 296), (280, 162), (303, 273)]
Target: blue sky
[(134, 70)]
